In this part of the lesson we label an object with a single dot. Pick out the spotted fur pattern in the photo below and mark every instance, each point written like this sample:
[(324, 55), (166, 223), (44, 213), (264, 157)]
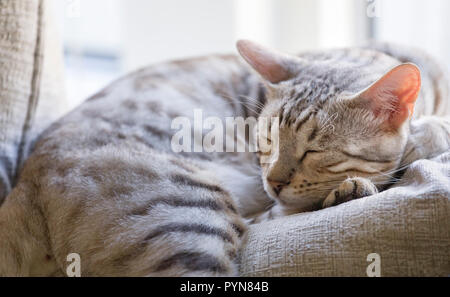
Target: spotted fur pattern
[(103, 181)]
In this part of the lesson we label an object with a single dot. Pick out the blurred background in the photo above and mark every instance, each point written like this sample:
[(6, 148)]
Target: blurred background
[(104, 39)]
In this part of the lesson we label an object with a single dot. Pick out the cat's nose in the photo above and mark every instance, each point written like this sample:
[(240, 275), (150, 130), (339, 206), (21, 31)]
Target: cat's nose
[(277, 186)]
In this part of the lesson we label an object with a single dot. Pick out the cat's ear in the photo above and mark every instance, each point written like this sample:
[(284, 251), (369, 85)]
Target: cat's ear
[(394, 95), (271, 65)]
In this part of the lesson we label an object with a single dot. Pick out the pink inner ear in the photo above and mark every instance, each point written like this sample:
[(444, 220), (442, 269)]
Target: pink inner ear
[(268, 64), (396, 94)]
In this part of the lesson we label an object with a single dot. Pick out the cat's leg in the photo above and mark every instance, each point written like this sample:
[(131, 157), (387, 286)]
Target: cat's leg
[(350, 189), (146, 217), (124, 214), (25, 248)]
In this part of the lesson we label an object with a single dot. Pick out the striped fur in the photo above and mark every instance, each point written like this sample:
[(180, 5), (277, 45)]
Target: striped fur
[(103, 181), (331, 148)]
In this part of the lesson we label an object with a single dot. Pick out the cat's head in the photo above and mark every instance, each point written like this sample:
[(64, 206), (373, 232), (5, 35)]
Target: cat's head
[(341, 113)]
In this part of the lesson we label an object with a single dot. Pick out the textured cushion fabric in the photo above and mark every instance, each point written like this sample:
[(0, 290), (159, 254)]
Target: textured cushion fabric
[(31, 88), (408, 226)]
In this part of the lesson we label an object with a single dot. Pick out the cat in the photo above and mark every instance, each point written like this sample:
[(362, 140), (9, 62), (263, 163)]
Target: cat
[(104, 182)]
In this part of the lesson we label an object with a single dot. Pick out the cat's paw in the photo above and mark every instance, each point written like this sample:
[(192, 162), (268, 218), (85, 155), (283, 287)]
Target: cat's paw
[(351, 188)]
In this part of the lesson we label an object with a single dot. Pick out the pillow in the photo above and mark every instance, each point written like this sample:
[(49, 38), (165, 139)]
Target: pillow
[(31, 86), (407, 226)]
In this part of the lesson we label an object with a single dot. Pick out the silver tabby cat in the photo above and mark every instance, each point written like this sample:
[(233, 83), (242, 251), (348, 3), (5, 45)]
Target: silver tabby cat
[(103, 181)]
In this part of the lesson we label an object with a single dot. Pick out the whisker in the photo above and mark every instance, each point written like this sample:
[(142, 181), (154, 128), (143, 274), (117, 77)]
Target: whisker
[(253, 109), (253, 100)]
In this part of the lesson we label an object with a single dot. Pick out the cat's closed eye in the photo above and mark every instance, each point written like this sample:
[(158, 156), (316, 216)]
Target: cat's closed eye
[(306, 153), (353, 166)]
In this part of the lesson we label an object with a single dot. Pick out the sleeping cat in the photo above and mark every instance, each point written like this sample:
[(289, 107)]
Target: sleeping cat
[(104, 182)]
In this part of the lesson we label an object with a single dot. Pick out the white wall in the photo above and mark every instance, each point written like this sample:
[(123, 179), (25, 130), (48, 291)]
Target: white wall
[(90, 25), (288, 25), (419, 23), (155, 30), (148, 31), (342, 23), (142, 32)]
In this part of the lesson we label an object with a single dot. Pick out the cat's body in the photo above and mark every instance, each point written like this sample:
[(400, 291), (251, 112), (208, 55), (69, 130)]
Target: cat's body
[(103, 182)]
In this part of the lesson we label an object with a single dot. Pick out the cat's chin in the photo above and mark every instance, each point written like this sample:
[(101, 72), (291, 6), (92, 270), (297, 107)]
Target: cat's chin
[(293, 202)]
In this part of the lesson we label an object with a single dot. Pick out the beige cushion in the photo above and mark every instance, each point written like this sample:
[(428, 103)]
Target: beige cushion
[(31, 81), (408, 226)]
